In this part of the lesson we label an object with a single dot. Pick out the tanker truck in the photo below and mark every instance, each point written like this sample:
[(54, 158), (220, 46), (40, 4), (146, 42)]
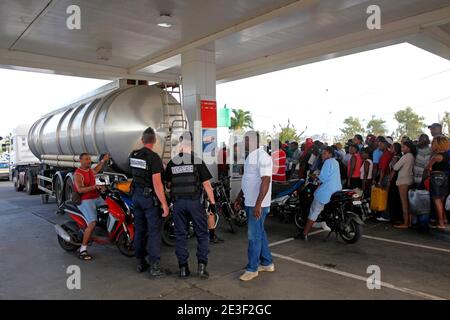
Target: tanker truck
[(109, 120)]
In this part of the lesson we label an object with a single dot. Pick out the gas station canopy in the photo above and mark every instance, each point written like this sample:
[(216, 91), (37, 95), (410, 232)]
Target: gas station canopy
[(145, 39)]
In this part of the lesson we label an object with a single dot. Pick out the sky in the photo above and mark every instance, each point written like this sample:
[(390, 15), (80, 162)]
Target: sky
[(320, 96), (317, 96)]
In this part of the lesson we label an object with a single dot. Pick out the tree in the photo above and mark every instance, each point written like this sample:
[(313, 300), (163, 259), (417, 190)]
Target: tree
[(241, 120), (409, 123), (376, 127), (352, 127), (445, 122), (287, 132)]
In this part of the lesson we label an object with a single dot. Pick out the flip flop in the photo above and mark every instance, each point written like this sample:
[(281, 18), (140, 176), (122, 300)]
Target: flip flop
[(83, 255), (401, 226)]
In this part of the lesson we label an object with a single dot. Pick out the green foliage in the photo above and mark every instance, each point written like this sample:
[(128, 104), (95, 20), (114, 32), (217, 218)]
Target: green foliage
[(287, 132), (409, 123), (352, 127), (376, 126), (445, 122), (241, 120)]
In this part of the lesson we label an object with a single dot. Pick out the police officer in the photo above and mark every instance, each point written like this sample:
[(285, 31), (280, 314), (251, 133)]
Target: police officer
[(148, 200), (186, 176)]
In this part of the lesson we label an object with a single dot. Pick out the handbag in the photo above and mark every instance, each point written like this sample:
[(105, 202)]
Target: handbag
[(76, 198), (419, 202)]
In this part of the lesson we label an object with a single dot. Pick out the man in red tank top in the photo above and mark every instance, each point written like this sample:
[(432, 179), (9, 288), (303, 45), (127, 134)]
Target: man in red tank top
[(279, 162), (90, 197)]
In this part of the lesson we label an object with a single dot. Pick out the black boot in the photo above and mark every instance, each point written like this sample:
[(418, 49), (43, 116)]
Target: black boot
[(184, 271), (155, 270), (213, 238), (142, 265), (202, 272)]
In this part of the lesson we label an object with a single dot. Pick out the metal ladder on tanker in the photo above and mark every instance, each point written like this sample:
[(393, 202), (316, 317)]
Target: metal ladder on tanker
[(174, 118)]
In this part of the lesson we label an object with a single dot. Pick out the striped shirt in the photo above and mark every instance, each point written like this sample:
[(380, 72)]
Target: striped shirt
[(279, 166)]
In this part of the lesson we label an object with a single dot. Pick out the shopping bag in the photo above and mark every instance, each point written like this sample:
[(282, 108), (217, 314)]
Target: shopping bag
[(419, 202)]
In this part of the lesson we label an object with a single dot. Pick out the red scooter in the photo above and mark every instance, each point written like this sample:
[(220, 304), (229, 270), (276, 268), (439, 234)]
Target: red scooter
[(114, 225)]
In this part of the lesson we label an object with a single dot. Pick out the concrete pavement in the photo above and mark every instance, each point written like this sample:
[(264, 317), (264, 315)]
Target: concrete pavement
[(413, 265)]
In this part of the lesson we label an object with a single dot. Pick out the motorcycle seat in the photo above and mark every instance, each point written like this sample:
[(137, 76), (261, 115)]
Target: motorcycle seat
[(69, 205), (279, 187), (341, 194)]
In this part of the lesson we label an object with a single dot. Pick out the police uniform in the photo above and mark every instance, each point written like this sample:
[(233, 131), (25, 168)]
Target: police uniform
[(186, 175), (144, 163)]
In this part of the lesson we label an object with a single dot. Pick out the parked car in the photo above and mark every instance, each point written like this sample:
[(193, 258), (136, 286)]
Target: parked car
[(4, 170)]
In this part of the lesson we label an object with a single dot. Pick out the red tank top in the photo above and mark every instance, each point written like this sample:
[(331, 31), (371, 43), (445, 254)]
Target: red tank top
[(279, 166), (357, 171), (88, 181)]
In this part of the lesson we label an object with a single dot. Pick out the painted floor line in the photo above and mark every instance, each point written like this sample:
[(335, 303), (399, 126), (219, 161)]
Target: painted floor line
[(408, 244), (277, 243), (412, 292)]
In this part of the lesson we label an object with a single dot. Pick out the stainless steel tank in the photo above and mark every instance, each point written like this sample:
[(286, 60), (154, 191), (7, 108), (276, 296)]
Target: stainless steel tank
[(112, 122)]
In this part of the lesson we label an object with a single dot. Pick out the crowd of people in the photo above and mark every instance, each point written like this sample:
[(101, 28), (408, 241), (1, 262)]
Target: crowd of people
[(395, 167)]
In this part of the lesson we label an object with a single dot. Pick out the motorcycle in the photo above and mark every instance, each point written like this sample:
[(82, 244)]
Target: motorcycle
[(285, 201), (339, 214), (114, 224), (225, 209)]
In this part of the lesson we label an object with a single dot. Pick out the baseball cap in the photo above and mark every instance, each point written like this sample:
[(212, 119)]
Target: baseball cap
[(389, 140), (386, 140), (435, 125)]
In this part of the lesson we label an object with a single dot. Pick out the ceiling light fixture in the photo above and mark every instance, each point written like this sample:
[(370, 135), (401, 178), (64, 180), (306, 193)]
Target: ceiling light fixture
[(165, 21)]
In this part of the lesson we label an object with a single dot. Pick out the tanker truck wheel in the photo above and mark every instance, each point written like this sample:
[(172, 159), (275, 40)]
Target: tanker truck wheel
[(68, 189), (31, 187), (59, 194), (17, 186)]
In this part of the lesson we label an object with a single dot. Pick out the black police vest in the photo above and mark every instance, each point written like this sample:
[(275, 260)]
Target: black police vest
[(140, 168), (185, 182)]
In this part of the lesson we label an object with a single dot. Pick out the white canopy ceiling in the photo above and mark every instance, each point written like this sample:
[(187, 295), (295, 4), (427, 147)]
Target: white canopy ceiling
[(250, 37)]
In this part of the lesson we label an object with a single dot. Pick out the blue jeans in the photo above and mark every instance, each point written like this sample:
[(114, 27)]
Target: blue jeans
[(258, 246)]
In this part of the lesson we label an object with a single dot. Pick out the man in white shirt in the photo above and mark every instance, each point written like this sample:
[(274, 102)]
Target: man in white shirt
[(257, 190)]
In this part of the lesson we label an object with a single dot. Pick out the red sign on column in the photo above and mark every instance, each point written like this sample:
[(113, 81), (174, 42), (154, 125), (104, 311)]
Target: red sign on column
[(208, 113)]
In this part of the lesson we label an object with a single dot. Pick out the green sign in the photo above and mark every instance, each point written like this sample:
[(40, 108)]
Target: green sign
[(224, 117)]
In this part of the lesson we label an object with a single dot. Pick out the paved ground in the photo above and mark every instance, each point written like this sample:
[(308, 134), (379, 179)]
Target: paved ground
[(33, 266)]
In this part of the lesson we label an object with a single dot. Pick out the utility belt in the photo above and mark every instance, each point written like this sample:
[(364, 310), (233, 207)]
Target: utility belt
[(148, 193), (194, 197)]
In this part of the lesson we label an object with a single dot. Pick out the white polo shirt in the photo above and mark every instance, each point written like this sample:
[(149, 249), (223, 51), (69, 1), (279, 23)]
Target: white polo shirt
[(257, 165)]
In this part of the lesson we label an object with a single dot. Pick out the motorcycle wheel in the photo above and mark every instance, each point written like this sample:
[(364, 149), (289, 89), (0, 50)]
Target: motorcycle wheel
[(67, 246), (125, 246), (240, 218), (227, 214), (168, 233), (299, 220), (352, 232)]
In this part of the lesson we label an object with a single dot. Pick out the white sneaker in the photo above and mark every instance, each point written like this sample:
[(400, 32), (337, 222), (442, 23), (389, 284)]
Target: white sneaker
[(269, 268), (247, 276), (381, 219), (324, 226)]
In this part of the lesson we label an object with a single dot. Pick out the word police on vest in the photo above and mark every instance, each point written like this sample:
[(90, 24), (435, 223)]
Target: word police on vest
[(183, 169), (138, 163)]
